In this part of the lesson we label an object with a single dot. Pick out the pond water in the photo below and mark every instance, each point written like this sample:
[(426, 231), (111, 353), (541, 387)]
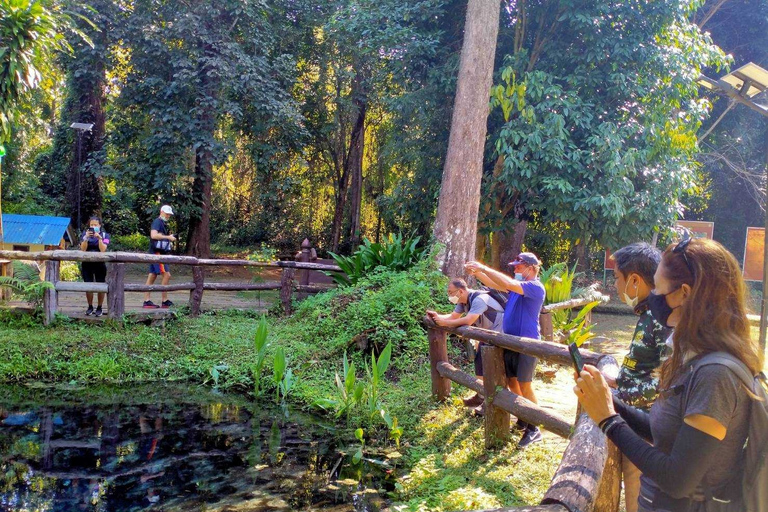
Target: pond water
[(173, 447)]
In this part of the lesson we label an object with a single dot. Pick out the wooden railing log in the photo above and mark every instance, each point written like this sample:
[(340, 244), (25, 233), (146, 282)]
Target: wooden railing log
[(438, 355), (577, 479), (510, 402), (50, 295), (494, 381), (242, 287), (575, 303), (196, 294), (537, 508), (552, 352), (79, 287), (313, 288), (286, 289), (609, 492), (115, 290), (176, 287)]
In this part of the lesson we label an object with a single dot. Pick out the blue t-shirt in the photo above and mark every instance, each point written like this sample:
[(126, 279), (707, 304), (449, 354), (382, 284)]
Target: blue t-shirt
[(521, 316)]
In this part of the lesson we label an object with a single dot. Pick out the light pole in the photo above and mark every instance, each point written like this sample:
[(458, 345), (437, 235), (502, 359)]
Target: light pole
[(2, 154), (740, 86), (80, 127)]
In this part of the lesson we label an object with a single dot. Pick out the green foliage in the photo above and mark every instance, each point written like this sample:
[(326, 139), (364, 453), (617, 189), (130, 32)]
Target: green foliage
[(576, 329), (264, 254), (30, 32), (134, 242), (69, 271), (375, 373), (558, 282), (26, 284), (349, 391), (260, 345), (358, 456), (216, 373), (395, 253)]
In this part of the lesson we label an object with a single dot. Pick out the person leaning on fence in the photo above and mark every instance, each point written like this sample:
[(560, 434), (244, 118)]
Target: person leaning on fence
[(521, 318), (473, 307), (698, 426), (636, 385), (160, 242), (94, 239)]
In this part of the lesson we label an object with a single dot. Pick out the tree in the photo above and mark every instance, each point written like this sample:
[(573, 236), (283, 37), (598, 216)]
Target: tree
[(456, 221), (193, 67), (600, 111)]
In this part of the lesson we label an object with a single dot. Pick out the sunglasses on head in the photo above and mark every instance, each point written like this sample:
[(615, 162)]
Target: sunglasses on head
[(680, 249)]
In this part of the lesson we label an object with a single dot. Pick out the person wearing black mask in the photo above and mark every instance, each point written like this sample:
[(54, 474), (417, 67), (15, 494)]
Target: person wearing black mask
[(699, 424)]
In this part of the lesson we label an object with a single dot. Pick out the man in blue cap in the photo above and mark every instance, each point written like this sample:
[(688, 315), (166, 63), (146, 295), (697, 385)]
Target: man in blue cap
[(521, 318)]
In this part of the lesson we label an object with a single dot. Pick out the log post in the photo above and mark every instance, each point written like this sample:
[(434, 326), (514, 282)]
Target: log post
[(438, 353), (116, 291), (304, 256), (196, 295), (50, 296), (6, 270), (286, 289), (547, 329), (609, 492), (494, 380)]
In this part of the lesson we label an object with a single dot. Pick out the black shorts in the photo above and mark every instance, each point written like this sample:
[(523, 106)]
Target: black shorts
[(509, 361), (93, 272), (524, 367)]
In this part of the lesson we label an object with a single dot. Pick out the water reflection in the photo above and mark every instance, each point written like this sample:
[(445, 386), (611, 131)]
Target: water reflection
[(169, 448)]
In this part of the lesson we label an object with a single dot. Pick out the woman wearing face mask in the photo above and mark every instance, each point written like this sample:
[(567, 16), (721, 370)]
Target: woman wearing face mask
[(698, 425), (94, 240)]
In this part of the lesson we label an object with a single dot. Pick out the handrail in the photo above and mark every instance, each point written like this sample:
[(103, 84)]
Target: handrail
[(583, 481), (136, 257)]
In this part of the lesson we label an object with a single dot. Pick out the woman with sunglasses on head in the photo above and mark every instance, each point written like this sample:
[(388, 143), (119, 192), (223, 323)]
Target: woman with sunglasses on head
[(699, 423)]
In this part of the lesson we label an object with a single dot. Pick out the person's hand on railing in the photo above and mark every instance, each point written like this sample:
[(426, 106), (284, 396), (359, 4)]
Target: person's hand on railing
[(594, 394)]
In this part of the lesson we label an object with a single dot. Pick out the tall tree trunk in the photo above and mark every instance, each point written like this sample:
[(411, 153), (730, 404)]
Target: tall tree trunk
[(341, 200), (84, 187), (456, 221), (356, 152), (581, 253), (199, 234)]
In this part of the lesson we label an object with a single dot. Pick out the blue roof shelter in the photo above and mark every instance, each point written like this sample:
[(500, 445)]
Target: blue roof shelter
[(35, 232)]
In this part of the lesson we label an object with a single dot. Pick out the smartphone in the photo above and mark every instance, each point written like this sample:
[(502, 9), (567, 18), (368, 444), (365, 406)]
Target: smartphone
[(578, 363)]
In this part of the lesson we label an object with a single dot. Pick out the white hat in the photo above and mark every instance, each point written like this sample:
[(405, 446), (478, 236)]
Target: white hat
[(166, 209)]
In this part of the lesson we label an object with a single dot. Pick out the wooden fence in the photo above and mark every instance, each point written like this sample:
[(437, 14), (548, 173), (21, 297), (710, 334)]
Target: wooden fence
[(588, 477), (115, 285)]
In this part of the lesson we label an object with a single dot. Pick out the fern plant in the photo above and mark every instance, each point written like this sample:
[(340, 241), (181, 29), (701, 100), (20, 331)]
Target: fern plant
[(394, 253), (26, 284)]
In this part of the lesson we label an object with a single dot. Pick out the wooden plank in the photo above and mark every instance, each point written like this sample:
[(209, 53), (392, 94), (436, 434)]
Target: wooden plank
[(138, 287), (137, 257), (6, 269), (196, 294), (510, 402), (494, 380), (241, 287), (286, 290), (547, 350), (438, 354), (575, 303), (78, 287), (116, 290), (50, 296), (576, 481), (609, 492)]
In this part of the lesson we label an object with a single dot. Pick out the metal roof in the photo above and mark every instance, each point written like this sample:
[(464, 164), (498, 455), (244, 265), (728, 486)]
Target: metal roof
[(33, 229)]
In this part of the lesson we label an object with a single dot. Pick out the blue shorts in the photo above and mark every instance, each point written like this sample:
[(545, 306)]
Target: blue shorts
[(159, 268)]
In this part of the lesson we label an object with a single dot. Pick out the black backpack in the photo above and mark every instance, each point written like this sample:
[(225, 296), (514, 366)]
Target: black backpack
[(754, 479), (496, 295)]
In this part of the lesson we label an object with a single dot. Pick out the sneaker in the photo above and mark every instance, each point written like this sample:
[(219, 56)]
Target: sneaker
[(166, 304), (98, 311), (473, 401), (148, 304), (531, 435), (479, 410), (89, 311)]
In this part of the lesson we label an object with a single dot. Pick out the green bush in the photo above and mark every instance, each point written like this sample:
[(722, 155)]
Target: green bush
[(395, 253), (70, 271), (135, 242)]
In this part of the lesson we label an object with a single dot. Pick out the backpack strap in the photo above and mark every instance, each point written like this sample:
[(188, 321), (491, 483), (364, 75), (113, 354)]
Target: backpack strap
[(732, 363)]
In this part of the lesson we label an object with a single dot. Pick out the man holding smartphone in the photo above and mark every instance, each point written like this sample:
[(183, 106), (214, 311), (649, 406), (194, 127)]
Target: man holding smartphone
[(160, 242), (521, 318)]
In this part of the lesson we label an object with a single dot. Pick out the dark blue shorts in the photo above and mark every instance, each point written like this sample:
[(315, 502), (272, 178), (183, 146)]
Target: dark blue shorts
[(159, 268)]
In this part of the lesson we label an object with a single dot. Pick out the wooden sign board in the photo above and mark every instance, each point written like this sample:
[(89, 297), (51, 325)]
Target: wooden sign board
[(608, 263), (753, 254), (698, 229)]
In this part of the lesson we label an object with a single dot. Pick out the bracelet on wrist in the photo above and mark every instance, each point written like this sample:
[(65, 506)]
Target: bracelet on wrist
[(607, 422)]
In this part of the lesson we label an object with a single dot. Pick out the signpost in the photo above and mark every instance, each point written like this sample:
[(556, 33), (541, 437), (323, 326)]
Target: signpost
[(754, 254), (698, 228)]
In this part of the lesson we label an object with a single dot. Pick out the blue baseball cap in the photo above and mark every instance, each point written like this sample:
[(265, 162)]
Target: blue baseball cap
[(525, 257)]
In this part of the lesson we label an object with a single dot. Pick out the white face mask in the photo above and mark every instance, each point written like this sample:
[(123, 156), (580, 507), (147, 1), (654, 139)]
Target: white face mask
[(519, 276), (630, 302), (453, 299)]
